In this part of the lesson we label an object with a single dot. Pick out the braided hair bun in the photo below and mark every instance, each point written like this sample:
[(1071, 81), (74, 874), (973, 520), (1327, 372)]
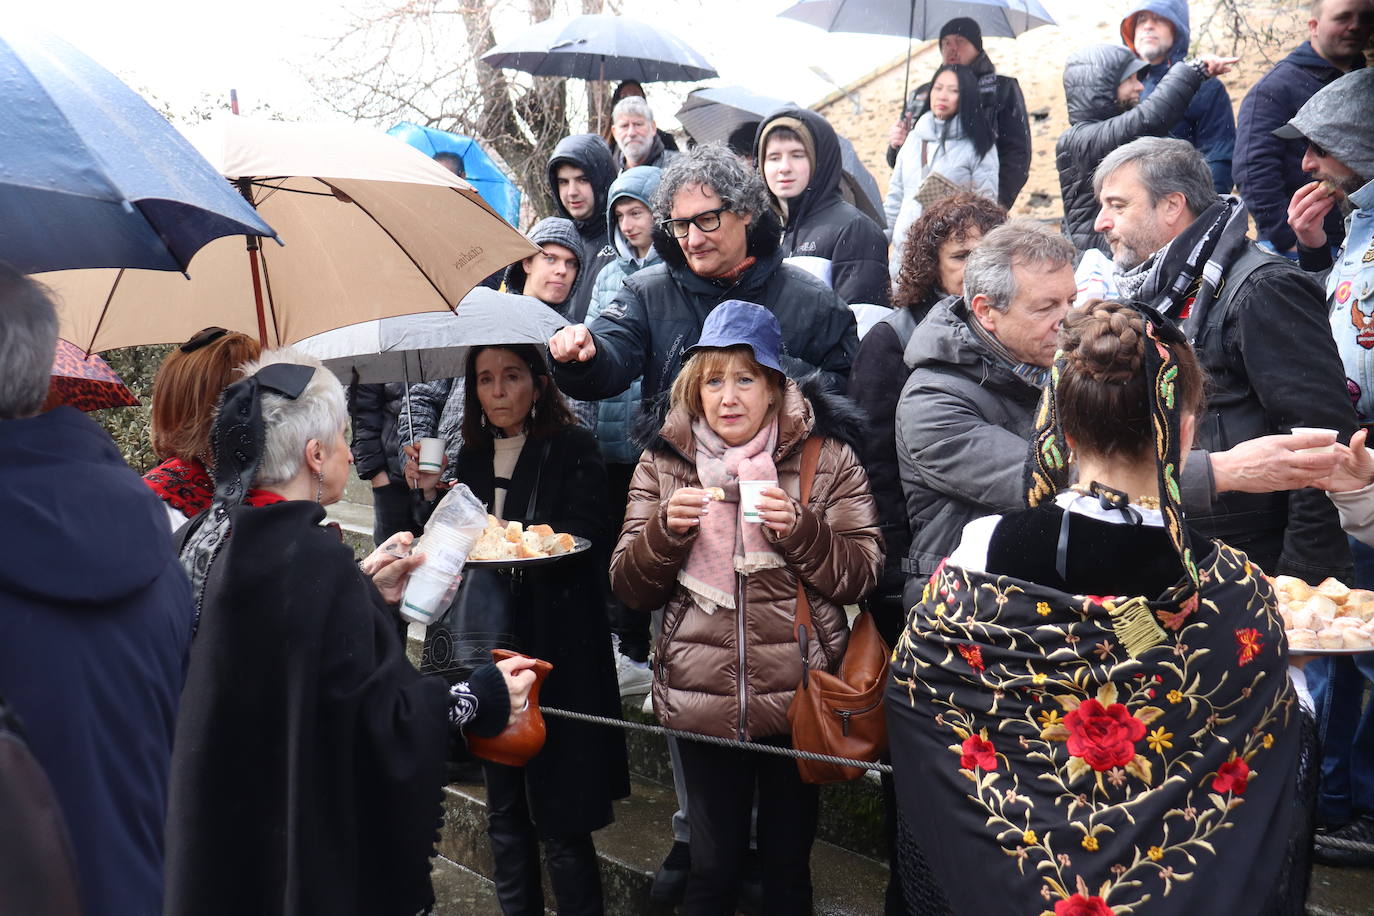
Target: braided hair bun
[(1103, 393)]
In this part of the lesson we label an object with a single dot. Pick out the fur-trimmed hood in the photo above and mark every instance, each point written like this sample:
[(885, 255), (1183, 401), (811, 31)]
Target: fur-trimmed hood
[(808, 408)]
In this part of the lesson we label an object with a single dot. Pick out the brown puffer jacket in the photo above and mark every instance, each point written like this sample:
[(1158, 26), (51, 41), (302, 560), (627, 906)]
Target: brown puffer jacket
[(837, 550)]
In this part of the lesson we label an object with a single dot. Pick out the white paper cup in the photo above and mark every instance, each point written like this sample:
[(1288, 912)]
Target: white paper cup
[(431, 455), (750, 491), (1297, 430)]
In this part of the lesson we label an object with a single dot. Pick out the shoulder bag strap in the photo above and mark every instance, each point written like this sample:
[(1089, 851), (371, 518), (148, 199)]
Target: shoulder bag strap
[(534, 489), (811, 454)]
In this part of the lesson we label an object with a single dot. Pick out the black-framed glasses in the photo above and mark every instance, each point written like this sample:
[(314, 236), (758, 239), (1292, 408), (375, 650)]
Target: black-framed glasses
[(706, 221)]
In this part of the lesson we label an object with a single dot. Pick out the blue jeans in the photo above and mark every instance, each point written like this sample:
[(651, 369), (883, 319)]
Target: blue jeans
[(1345, 722)]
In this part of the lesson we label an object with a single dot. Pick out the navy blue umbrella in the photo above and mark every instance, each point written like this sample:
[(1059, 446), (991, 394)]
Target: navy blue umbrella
[(600, 47), (92, 176)]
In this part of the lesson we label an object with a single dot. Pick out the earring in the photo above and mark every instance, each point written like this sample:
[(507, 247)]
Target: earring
[(534, 410), (319, 486)]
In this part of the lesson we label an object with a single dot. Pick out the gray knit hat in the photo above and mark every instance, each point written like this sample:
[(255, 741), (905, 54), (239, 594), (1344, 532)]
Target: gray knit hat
[(553, 230), (1340, 118)]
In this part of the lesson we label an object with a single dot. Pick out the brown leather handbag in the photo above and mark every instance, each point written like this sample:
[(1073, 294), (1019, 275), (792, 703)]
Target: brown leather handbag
[(838, 714)]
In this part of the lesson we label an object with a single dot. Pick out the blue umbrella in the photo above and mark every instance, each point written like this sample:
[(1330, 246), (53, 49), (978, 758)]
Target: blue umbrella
[(712, 115), (600, 47), (92, 176), (482, 173)]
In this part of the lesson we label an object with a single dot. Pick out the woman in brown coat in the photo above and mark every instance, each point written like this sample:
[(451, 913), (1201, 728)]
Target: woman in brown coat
[(727, 659)]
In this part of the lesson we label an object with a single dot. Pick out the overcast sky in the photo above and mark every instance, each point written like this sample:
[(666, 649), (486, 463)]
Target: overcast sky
[(184, 49)]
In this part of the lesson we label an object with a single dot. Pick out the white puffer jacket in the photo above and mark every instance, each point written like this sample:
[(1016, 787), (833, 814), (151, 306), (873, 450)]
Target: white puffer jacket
[(933, 146)]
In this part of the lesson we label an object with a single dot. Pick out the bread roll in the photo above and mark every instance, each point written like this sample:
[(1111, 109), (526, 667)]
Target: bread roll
[(493, 521), (514, 530), (1331, 638), (715, 493), (1292, 588), (1355, 638), (1301, 639), (559, 543), (531, 545), (1333, 589), (542, 530), (1323, 611)]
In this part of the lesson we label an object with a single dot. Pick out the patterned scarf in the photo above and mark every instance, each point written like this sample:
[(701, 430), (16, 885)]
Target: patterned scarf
[(725, 545), (1047, 467), (184, 485), (1182, 279), (1031, 375)]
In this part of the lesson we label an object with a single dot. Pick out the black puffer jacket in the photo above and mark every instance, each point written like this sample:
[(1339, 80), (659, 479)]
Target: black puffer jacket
[(821, 224), (1003, 101), (376, 444), (660, 310), (590, 154), (1097, 125)]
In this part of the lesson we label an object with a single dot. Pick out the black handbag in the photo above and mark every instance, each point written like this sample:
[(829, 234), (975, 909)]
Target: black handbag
[(482, 616)]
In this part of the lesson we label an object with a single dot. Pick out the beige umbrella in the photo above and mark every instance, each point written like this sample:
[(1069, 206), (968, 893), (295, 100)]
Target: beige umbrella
[(371, 228)]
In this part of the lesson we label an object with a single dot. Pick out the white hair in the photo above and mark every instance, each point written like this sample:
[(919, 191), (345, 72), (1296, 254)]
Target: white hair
[(28, 341), (319, 413), (632, 105)]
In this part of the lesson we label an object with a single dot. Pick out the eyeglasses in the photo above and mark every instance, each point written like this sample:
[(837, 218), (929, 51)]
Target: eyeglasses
[(707, 221)]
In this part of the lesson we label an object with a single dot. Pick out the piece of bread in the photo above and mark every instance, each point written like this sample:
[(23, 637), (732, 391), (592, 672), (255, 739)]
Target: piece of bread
[(716, 493), (531, 545), (488, 545), (1292, 588), (559, 543), (1334, 589), (1302, 639), (1331, 638), (513, 531), (1322, 608), (1355, 638), (494, 522), (542, 530)]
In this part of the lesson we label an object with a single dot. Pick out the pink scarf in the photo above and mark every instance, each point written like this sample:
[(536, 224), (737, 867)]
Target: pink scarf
[(725, 546)]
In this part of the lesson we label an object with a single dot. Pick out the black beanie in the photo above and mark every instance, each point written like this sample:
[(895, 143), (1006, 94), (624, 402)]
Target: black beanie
[(967, 28)]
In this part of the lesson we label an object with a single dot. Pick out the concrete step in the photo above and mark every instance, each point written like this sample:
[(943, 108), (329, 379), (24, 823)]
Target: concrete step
[(461, 890), (631, 849)]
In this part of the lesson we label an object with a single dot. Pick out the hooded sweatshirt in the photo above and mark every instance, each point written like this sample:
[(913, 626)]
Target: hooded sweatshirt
[(848, 248), (1097, 125), (1269, 170), (616, 414), (553, 230), (1208, 123), (590, 154), (95, 625)]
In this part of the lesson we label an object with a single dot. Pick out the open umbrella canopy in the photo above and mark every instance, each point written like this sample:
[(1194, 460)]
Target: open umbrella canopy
[(919, 18), (712, 115), (372, 228), (599, 46), (85, 382), (483, 174), (416, 348), (92, 176)]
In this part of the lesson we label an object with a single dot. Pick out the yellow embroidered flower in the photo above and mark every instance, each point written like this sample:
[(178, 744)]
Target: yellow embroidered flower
[(1174, 696), (1155, 853), (1029, 838), (1090, 843), (1050, 717), (1042, 608), (1267, 741), (1038, 677), (1159, 740)]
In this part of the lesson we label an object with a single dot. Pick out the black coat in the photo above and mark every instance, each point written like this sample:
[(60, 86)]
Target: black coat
[(582, 768), (822, 224), (660, 311), (1003, 100), (590, 154), (1269, 170), (309, 760), (375, 410), (1097, 126)]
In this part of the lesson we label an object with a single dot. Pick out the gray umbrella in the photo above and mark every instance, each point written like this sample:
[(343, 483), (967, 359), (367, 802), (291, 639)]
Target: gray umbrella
[(432, 345), (711, 115), (600, 47)]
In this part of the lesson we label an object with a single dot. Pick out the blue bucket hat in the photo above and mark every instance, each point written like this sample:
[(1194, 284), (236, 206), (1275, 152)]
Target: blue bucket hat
[(735, 322)]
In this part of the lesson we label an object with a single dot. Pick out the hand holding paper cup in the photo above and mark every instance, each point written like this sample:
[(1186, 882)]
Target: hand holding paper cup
[(431, 455), (750, 492)]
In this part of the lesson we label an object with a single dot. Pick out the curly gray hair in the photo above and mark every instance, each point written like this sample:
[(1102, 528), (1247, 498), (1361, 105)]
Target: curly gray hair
[(715, 167)]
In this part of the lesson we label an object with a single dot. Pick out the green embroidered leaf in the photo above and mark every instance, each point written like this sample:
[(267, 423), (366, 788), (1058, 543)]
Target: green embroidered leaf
[(1106, 694)]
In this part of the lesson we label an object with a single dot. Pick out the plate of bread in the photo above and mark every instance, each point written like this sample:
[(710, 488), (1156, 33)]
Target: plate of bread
[(1329, 619), (512, 544)]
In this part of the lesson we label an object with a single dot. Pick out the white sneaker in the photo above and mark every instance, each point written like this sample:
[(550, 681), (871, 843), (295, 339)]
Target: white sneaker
[(634, 677), (648, 707)]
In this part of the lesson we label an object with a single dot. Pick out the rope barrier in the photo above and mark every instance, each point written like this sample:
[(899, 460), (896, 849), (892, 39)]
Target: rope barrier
[(1338, 843), (712, 739)]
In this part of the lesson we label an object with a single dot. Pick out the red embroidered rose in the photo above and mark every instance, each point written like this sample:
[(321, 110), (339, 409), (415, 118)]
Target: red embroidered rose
[(1248, 644), (973, 655), (1078, 905), (978, 754), (1232, 776), (1103, 737)]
